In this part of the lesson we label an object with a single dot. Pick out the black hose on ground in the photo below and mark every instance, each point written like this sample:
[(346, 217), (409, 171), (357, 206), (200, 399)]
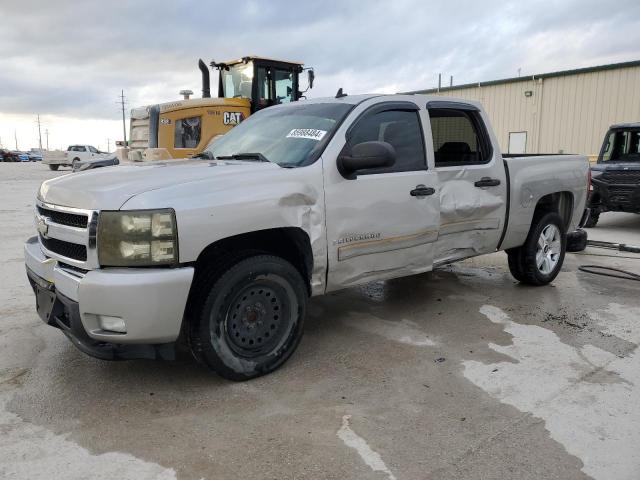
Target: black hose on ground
[(605, 271), (594, 269)]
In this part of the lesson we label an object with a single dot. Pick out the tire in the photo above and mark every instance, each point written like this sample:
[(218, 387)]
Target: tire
[(592, 221), (577, 241), (251, 317), (540, 259), (54, 167)]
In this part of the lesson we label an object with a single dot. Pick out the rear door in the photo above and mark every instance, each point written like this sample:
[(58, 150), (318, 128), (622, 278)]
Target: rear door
[(383, 223), (472, 178)]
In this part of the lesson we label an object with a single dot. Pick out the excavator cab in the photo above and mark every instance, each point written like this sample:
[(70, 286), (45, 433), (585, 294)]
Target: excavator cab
[(263, 81)]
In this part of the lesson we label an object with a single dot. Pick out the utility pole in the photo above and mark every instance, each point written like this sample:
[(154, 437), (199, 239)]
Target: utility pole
[(108, 145), (39, 134), (15, 135), (124, 124), (46, 132)]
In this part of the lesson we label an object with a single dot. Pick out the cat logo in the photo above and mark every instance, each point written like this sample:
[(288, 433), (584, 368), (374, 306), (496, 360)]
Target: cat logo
[(232, 118)]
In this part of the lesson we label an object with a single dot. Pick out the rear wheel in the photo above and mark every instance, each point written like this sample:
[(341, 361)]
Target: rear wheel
[(540, 259), (252, 319), (54, 167)]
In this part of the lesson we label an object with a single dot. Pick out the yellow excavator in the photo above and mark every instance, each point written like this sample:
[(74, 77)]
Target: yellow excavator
[(183, 128)]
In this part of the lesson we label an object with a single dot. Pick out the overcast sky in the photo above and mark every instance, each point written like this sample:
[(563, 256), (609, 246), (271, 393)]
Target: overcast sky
[(68, 60)]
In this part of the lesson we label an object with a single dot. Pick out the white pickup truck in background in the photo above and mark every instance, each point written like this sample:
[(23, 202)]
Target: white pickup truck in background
[(77, 156), (221, 252)]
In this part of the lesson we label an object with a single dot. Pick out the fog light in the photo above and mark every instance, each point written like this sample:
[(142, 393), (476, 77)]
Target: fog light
[(112, 324)]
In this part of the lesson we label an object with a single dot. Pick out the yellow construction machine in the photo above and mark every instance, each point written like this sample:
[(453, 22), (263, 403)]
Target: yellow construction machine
[(183, 128)]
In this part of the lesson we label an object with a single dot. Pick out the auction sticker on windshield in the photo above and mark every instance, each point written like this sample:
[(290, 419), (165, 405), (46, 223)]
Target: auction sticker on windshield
[(310, 133)]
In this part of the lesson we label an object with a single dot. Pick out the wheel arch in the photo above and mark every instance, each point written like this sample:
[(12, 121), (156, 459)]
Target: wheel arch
[(291, 243), (561, 203)]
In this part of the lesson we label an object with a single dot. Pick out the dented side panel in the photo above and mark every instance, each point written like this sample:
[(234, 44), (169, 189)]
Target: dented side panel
[(375, 228), (268, 197), (472, 218)]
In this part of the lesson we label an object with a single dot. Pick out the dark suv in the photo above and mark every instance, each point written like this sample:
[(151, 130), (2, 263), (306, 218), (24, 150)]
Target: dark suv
[(615, 179)]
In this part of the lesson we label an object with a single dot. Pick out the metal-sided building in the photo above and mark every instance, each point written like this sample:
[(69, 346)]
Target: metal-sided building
[(560, 112)]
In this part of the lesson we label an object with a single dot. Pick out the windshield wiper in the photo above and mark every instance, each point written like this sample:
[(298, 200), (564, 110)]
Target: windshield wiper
[(244, 156), (206, 154)]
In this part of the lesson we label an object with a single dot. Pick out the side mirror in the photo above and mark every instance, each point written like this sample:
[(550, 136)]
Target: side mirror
[(364, 156), (311, 76)]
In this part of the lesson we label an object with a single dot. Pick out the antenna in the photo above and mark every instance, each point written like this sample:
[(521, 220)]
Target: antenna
[(340, 93)]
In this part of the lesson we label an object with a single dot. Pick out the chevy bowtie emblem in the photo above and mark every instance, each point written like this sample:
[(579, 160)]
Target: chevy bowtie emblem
[(42, 226)]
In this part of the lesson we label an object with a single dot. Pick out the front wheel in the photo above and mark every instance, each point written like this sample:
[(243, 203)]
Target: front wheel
[(540, 259), (252, 318), (54, 167)]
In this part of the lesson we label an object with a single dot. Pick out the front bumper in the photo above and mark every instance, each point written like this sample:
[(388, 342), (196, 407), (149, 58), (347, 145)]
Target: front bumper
[(151, 303), (615, 196)]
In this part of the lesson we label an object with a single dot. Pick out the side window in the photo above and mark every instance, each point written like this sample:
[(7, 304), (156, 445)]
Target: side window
[(459, 137), (187, 132), (399, 128), (93, 150), (608, 148), (284, 86), (264, 87), (81, 149)]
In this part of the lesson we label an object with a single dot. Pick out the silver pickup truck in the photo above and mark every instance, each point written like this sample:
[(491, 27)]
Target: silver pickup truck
[(222, 252)]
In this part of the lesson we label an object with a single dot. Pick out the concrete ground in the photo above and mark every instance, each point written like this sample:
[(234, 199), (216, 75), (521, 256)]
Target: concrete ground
[(457, 374)]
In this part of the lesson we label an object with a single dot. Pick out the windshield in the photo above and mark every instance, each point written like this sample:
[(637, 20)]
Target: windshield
[(237, 80), (621, 146), (291, 136)]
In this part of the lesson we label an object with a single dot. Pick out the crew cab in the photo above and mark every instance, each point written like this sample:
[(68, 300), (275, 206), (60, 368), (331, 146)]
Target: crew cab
[(221, 252), (79, 157), (615, 177)]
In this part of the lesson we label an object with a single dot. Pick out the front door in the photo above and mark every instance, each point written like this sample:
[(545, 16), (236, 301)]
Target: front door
[(383, 223), (473, 182)]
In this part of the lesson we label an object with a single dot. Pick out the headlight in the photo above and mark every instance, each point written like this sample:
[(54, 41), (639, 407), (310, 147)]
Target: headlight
[(137, 238)]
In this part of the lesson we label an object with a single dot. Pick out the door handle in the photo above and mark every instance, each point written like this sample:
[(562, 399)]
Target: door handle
[(422, 191), (487, 182)]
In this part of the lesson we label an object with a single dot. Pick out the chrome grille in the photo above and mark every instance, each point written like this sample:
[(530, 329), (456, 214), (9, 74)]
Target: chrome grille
[(65, 218), (65, 249), (68, 234)]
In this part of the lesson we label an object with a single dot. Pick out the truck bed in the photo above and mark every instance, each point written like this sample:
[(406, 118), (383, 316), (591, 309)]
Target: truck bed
[(535, 176)]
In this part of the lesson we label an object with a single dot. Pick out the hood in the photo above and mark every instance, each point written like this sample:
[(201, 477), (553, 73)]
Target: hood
[(110, 188), (615, 166)]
